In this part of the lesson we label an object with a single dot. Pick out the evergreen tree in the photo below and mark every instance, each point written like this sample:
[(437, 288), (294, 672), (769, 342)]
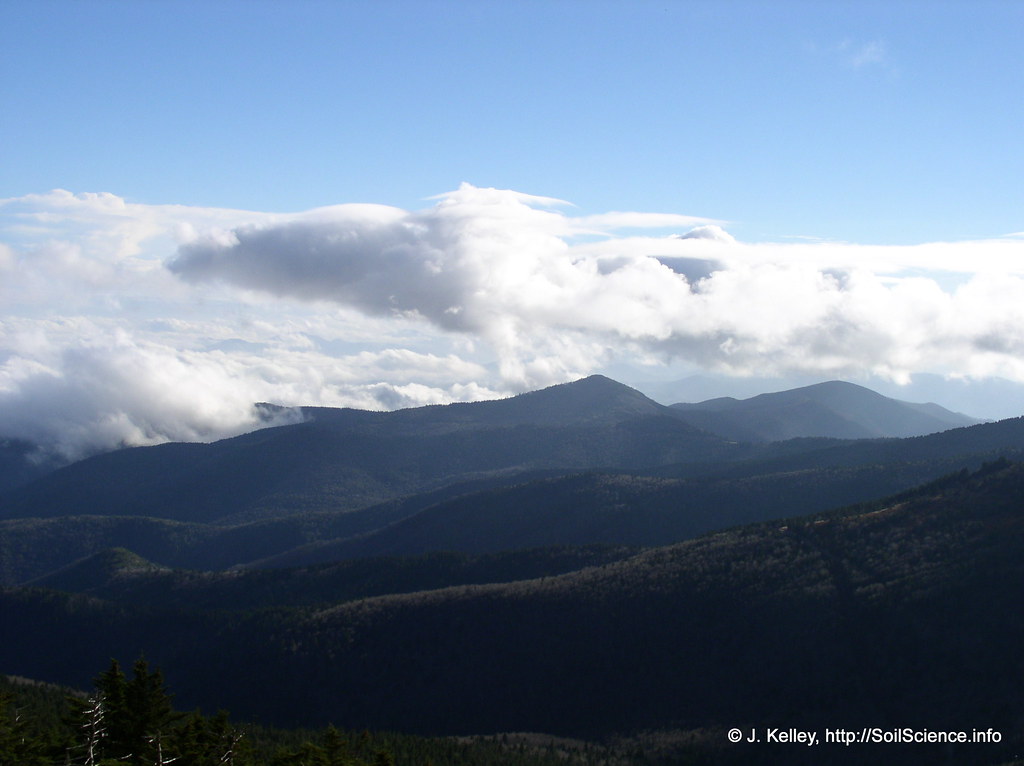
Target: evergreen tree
[(126, 721), (111, 688), (202, 741), (306, 754), (336, 748), (192, 739), (149, 715), (18, 745)]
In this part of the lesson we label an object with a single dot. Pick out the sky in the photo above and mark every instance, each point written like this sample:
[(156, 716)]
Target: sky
[(388, 204)]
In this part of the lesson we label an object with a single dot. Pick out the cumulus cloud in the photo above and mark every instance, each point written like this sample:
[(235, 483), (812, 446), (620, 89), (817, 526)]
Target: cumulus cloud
[(375, 259), (505, 268), (134, 324)]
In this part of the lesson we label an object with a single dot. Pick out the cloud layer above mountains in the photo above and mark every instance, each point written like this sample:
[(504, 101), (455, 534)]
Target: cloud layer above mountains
[(128, 323)]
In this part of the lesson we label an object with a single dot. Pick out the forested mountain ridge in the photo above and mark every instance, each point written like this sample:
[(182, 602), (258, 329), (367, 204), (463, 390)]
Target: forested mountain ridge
[(348, 459), (869, 616), (307, 493), (613, 508), (577, 509), (833, 409), (343, 459), (118, 575), (578, 561)]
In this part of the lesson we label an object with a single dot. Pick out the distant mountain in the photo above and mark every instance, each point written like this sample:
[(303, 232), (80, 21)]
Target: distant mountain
[(666, 504), (341, 459), (902, 613), (988, 398), (834, 409), (595, 399), (298, 476)]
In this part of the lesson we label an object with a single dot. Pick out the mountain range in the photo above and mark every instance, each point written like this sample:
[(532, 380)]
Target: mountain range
[(590, 462), (579, 560)]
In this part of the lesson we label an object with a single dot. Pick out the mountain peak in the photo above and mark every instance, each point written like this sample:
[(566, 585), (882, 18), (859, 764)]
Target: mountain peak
[(592, 399), (595, 397), (835, 408), (597, 386)]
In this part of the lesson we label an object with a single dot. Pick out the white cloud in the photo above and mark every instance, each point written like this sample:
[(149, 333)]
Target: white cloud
[(126, 323), (497, 267), (104, 387)]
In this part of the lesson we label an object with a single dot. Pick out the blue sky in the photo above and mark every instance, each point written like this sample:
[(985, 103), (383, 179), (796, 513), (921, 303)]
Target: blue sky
[(386, 204), (893, 122)]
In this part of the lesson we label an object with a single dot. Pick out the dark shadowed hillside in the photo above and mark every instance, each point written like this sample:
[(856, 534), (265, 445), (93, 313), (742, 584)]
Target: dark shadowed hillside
[(348, 459), (835, 409), (739, 626), (31, 548), (21, 463), (98, 571), (118, 575), (613, 509), (661, 505), (298, 494), (868, 617)]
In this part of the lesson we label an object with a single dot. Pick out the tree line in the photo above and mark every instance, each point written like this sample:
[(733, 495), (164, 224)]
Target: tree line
[(133, 721)]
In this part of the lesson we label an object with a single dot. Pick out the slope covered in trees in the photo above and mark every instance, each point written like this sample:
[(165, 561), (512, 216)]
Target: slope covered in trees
[(345, 460), (104, 576), (132, 720), (570, 561), (834, 409), (615, 508), (650, 506), (872, 616), (348, 459)]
